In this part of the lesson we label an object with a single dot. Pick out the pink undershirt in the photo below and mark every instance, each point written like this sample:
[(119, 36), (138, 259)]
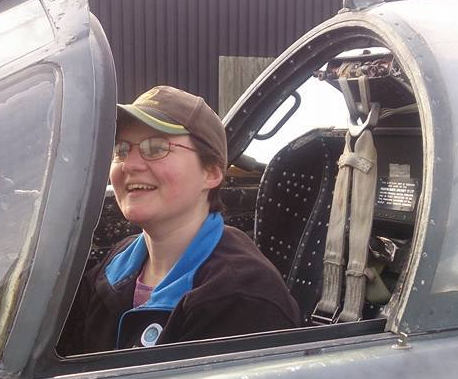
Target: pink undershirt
[(142, 292)]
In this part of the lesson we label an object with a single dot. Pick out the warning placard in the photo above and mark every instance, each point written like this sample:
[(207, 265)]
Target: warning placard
[(397, 193)]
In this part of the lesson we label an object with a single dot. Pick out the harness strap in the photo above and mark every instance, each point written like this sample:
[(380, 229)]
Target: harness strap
[(355, 161), (333, 260), (358, 171), (349, 99), (362, 211)]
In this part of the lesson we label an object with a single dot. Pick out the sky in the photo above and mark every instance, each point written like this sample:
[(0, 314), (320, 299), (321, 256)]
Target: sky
[(322, 105)]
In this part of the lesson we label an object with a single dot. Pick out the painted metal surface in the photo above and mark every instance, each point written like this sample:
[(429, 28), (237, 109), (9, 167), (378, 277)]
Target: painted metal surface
[(427, 53), (428, 356), (178, 42), (80, 123)]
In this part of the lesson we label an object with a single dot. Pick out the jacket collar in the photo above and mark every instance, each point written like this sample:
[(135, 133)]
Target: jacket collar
[(179, 279)]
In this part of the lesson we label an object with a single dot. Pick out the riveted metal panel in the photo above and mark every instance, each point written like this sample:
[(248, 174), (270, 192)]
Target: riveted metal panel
[(178, 42)]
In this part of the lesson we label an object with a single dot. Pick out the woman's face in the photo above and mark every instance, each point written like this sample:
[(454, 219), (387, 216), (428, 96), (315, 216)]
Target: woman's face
[(162, 191)]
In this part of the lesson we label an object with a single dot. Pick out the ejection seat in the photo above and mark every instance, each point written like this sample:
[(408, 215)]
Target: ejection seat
[(294, 204), (292, 213), (296, 194)]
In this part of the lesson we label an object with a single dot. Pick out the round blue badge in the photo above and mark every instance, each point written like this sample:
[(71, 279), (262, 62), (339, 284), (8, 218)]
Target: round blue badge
[(150, 335)]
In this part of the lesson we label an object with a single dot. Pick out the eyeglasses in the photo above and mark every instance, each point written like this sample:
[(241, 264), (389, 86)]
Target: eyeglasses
[(150, 149)]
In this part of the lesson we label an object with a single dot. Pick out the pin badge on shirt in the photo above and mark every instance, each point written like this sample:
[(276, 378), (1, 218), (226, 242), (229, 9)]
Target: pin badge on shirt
[(151, 334)]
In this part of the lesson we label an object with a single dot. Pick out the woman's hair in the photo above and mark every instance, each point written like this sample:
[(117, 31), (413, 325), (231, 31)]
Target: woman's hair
[(208, 159)]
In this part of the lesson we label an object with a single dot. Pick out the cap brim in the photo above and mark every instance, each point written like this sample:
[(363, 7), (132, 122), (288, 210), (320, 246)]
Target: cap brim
[(155, 123)]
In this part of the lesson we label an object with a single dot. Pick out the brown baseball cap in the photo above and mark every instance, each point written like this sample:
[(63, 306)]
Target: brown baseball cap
[(173, 111)]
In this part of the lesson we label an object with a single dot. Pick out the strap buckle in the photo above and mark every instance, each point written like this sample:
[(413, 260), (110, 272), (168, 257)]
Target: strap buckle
[(322, 318), (371, 110)]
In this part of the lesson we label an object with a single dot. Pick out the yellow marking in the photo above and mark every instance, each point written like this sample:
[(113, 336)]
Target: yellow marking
[(150, 103), (174, 126), (148, 95)]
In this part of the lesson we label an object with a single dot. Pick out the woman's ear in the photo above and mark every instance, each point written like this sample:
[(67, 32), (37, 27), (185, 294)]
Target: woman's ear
[(214, 176)]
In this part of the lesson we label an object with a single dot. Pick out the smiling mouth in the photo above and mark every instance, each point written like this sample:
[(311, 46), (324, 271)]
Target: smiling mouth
[(141, 187)]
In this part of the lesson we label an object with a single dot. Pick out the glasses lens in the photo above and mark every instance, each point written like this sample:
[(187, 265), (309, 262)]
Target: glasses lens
[(154, 148), (121, 149)]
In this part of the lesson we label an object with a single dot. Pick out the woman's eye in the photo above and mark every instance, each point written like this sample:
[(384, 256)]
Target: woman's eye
[(121, 150), (159, 149), (153, 148)]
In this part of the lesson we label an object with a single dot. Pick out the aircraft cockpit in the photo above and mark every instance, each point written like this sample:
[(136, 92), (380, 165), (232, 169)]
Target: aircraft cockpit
[(342, 170), (316, 198)]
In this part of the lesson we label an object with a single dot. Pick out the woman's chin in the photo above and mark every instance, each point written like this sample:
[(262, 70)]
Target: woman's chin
[(137, 218)]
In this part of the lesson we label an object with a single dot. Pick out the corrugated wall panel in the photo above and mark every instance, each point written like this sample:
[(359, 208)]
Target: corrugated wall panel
[(178, 42), (213, 51), (150, 49)]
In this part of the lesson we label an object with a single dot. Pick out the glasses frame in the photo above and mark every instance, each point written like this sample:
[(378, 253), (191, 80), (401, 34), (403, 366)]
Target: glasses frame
[(167, 152)]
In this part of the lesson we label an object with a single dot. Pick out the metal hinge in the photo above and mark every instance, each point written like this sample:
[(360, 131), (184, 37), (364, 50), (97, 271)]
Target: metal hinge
[(401, 343)]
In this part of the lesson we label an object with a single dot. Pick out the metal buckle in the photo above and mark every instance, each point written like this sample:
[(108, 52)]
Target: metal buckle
[(322, 318), (383, 247)]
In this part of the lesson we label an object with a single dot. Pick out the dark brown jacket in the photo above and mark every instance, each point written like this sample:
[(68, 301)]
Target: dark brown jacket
[(236, 291)]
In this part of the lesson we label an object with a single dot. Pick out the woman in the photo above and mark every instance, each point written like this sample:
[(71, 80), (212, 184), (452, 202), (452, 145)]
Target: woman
[(186, 276)]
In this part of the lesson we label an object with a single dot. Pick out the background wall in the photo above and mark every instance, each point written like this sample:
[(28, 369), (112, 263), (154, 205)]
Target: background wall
[(179, 42)]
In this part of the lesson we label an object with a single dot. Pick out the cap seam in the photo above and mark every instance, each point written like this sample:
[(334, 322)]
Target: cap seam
[(199, 104), (161, 113)]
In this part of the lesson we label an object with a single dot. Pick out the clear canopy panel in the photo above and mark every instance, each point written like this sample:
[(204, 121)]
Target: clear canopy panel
[(27, 115)]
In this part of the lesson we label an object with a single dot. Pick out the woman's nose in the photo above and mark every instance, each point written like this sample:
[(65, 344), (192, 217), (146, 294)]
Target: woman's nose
[(134, 160)]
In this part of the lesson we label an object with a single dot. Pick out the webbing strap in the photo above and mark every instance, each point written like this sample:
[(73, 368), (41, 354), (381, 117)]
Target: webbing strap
[(357, 170), (333, 260), (362, 211), (355, 161)]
